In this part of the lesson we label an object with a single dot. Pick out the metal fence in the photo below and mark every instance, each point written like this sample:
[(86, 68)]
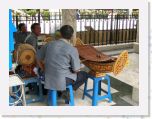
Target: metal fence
[(91, 29)]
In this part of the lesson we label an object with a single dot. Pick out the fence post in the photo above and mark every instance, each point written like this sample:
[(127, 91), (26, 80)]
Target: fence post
[(16, 21), (111, 28), (137, 33), (117, 34), (39, 16)]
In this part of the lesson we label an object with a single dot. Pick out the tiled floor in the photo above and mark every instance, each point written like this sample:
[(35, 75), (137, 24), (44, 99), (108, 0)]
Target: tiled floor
[(119, 89), (78, 99)]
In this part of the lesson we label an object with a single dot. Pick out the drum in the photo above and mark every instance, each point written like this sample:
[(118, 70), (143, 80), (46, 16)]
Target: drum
[(25, 54)]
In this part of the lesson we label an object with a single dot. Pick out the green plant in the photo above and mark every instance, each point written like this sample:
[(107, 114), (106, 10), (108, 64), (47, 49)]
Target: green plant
[(17, 14), (46, 14), (31, 12)]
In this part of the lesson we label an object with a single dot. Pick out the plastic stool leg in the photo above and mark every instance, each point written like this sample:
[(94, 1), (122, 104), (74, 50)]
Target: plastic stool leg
[(52, 98), (11, 100), (95, 93), (66, 100), (40, 91), (15, 89), (49, 98), (109, 90), (99, 88), (85, 89), (71, 103)]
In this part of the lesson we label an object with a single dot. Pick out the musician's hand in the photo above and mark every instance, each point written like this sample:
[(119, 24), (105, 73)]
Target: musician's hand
[(42, 69), (74, 71), (41, 64)]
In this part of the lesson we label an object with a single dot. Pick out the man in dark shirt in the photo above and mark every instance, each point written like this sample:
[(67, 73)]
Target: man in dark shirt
[(21, 34)]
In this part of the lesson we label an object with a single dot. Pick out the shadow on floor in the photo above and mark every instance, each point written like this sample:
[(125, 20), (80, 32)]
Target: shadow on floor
[(123, 89)]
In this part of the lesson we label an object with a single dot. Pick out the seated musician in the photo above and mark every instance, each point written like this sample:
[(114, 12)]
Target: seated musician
[(20, 35), (32, 38), (62, 64)]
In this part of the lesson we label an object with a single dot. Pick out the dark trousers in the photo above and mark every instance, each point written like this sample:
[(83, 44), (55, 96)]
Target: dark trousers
[(82, 76)]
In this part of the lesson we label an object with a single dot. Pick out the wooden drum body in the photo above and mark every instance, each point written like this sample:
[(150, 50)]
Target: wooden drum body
[(100, 63), (115, 66)]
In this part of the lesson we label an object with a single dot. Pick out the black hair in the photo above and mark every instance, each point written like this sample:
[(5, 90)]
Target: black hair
[(33, 26), (66, 31), (20, 26)]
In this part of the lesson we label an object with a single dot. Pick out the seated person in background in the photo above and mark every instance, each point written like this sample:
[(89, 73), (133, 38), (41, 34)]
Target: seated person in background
[(32, 38), (61, 63), (21, 34)]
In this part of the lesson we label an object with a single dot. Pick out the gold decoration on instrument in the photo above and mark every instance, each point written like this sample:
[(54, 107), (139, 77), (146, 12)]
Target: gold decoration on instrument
[(47, 39), (99, 67), (96, 74), (78, 42), (120, 62)]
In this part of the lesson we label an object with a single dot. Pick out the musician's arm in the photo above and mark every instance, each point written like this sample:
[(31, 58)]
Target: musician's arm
[(75, 61), (40, 56)]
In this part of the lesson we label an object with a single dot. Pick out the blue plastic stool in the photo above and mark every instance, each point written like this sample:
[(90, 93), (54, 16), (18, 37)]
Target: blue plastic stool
[(11, 100), (30, 81), (97, 90), (52, 96)]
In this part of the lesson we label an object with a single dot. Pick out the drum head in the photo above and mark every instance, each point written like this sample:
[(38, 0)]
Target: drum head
[(26, 54), (27, 57)]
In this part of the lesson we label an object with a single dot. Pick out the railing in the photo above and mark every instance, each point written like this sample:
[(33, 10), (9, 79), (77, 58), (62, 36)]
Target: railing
[(91, 29)]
